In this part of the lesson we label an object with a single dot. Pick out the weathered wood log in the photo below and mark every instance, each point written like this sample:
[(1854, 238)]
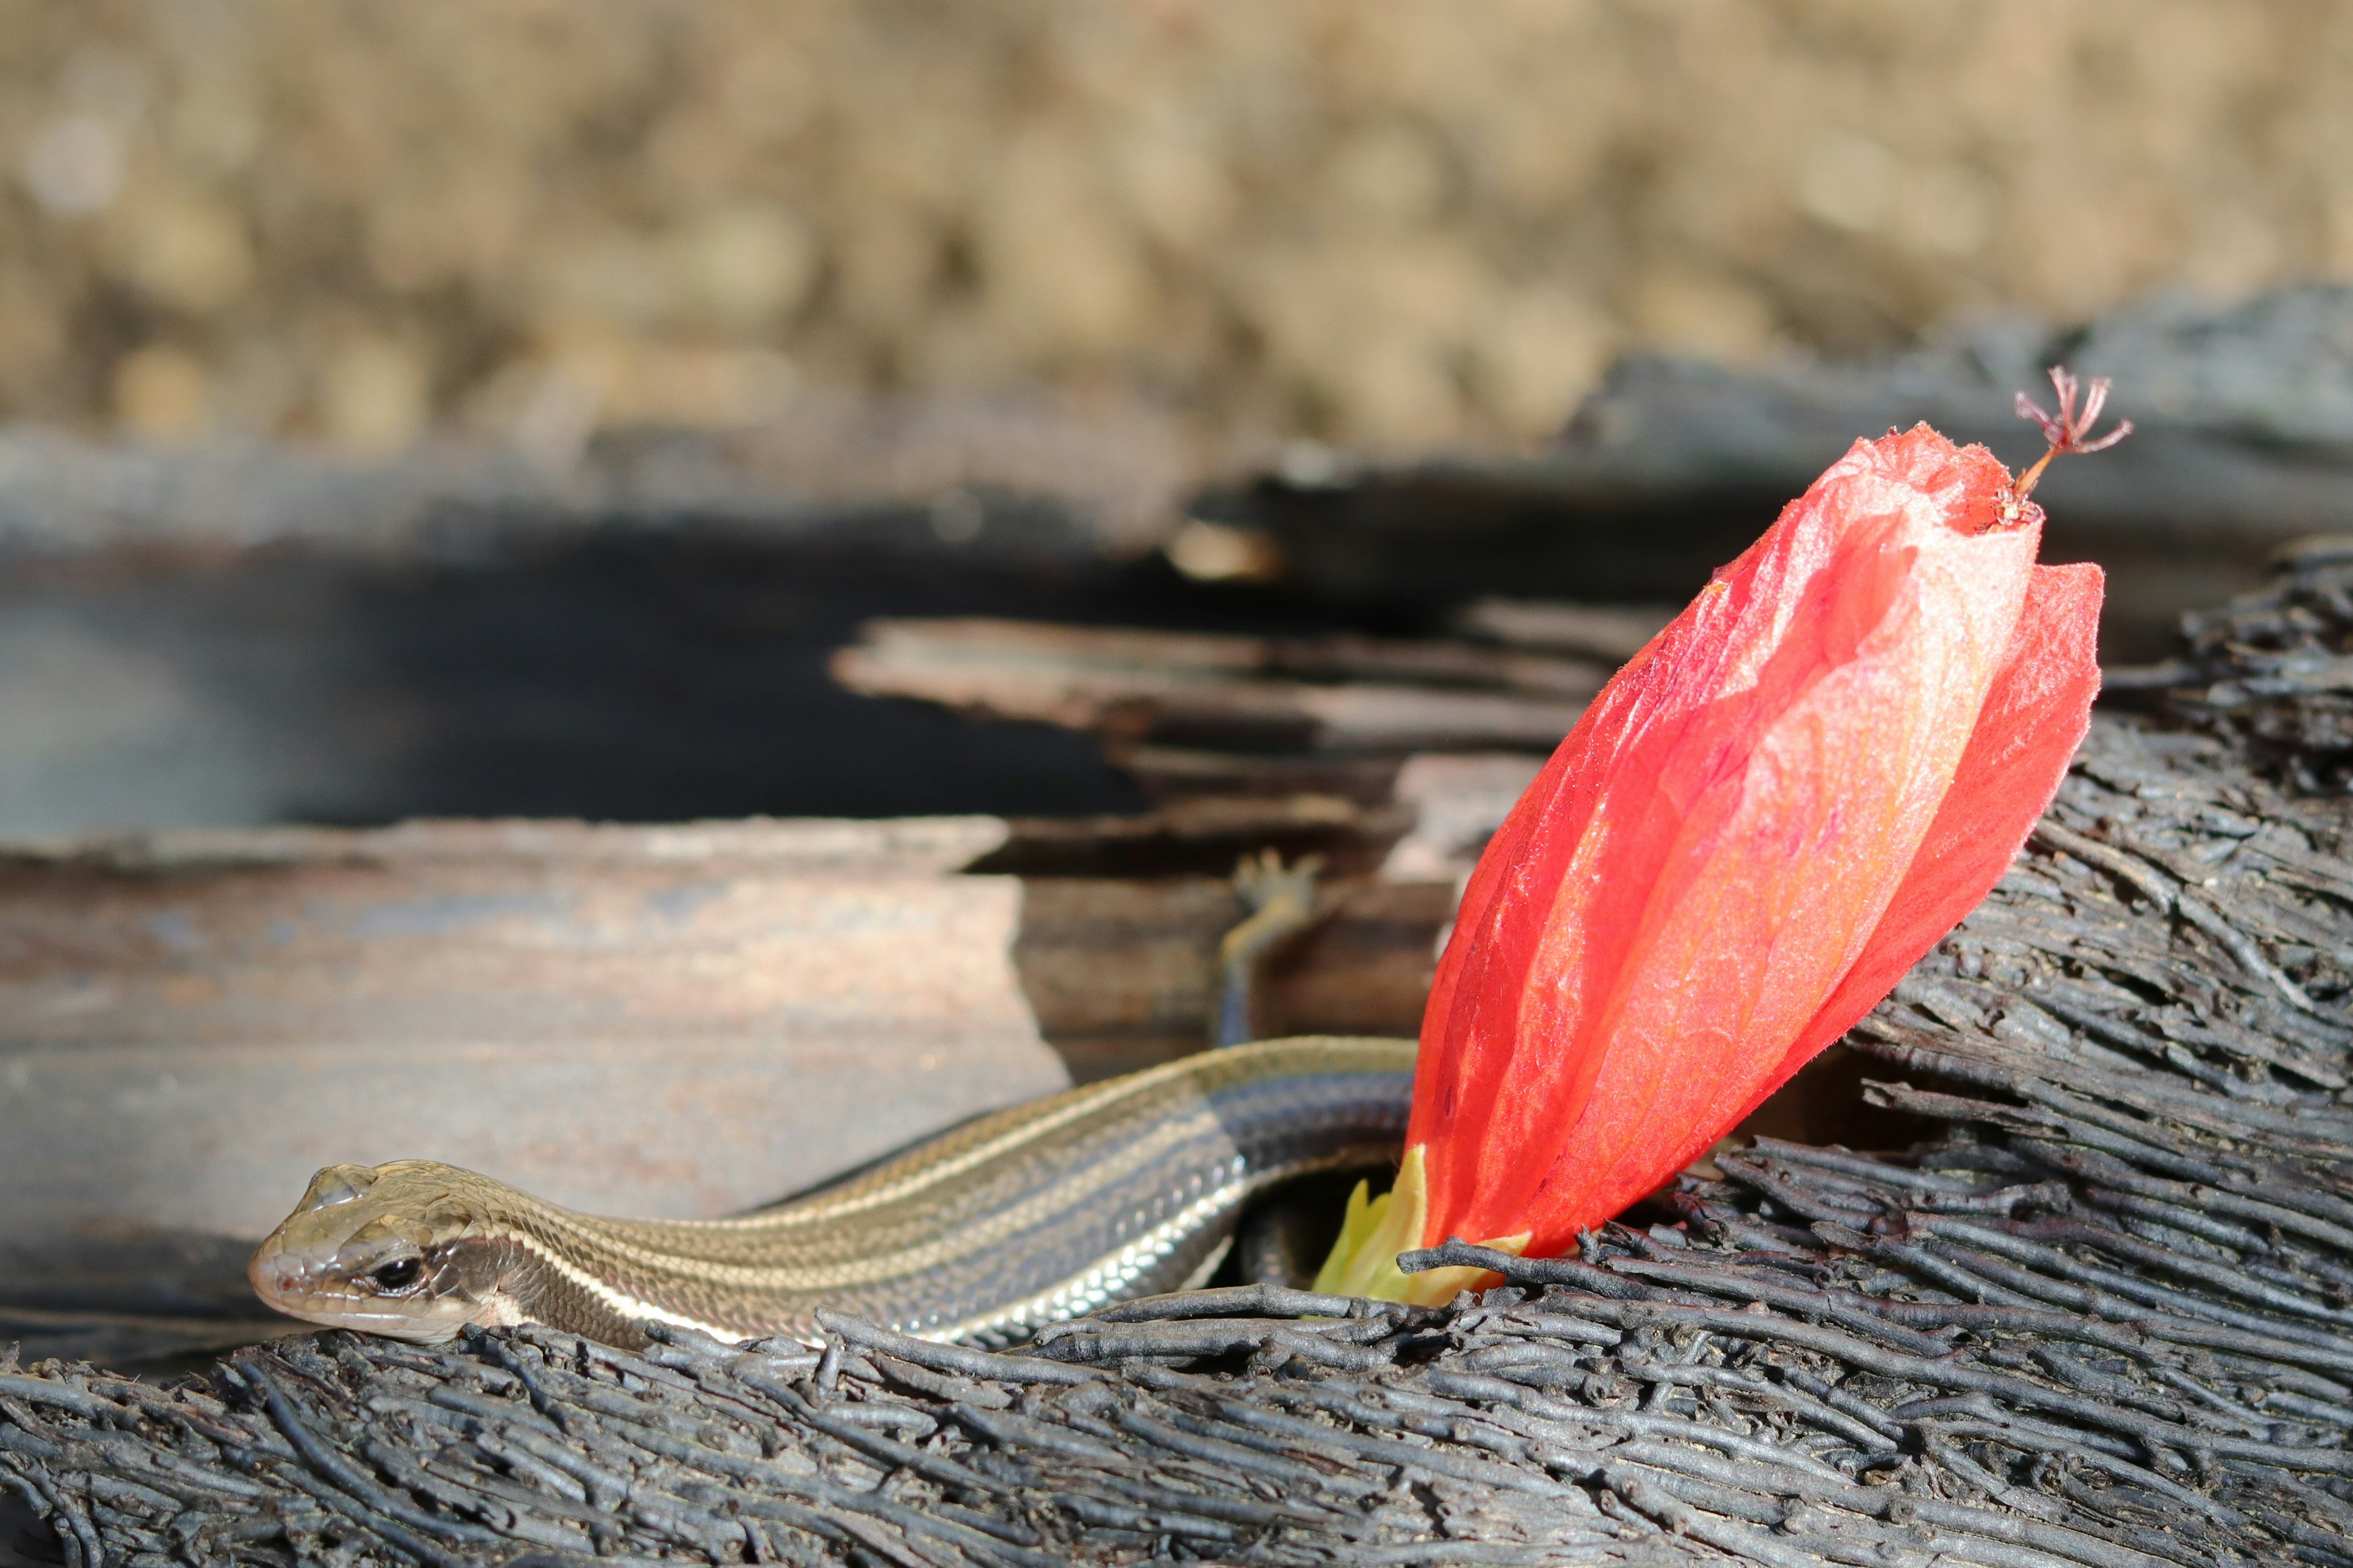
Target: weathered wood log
[(2273, 668), (2101, 1315)]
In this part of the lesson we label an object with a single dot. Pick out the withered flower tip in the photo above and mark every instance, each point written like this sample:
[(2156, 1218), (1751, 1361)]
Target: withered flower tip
[(2067, 431)]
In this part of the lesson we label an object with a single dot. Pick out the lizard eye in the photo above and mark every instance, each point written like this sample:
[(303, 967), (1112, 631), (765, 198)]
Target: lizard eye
[(397, 1276)]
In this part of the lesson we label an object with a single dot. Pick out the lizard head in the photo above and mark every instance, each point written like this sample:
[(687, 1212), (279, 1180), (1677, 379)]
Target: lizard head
[(400, 1249)]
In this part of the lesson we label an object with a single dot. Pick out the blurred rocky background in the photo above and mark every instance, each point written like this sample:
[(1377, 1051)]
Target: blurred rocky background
[(1418, 223), (434, 408)]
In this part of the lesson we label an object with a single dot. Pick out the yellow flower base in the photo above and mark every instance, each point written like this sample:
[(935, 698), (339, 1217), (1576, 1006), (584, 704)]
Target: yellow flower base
[(1363, 1260)]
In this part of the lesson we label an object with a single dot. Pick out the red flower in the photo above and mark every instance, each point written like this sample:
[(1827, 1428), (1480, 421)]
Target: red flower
[(1766, 818)]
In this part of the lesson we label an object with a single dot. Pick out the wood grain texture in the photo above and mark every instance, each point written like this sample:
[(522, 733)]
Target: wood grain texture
[(657, 1021), (666, 1022)]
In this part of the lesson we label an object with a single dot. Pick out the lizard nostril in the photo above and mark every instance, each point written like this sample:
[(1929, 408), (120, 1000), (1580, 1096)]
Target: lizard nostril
[(278, 1277)]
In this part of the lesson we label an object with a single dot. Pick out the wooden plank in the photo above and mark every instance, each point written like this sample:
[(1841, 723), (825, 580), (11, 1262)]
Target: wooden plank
[(661, 1020), (639, 1020), (1202, 834), (1194, 690), (1610, 633), (1123, 973), (1168, 774)]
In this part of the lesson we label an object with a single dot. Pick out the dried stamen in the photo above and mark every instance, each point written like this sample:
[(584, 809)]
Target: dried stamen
[(2067, 431)]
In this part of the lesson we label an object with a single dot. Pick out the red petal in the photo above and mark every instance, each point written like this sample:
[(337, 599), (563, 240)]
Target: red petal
[(1707, 854), (2034, 718)]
